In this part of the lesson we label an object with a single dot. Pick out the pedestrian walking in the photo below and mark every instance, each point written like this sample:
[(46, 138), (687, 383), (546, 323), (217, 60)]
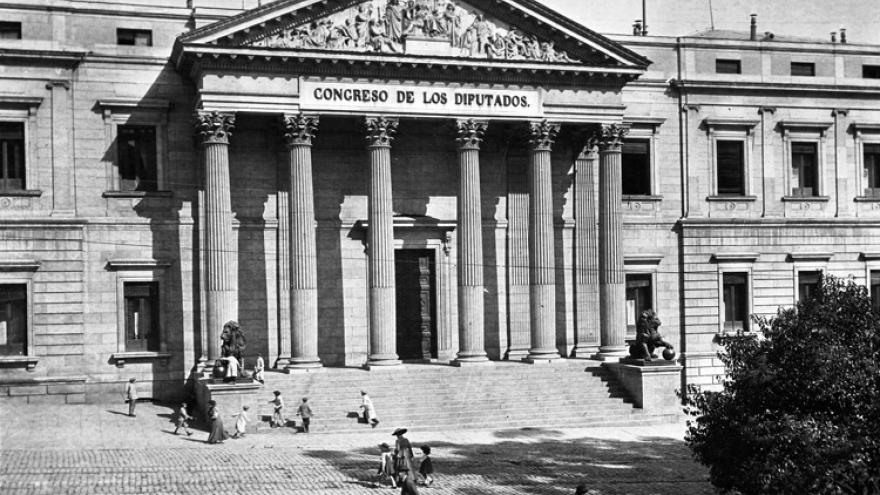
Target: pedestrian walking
[(259, 368), (408, 484), (241, 422), (370, 416), (305, 412), (386, 464), (278, 414), (218, 434), (426, 467), (131, 396), (403, 454), (182, 419)]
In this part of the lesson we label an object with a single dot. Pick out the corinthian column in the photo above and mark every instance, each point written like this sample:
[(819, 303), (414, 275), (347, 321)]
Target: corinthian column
[(542, 280), (214, 130), (470, 245), (586, 255), (612, 278), (298, 133), (380, 240)]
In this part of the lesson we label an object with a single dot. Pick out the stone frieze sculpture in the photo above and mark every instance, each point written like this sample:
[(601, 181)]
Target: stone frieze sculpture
[(384, 25)]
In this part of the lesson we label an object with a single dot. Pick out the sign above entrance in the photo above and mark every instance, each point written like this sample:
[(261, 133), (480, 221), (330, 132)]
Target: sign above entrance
[(397, 99)]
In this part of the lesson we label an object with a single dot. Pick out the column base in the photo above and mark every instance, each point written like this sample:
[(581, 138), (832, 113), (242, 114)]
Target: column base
[(584, 352), (386, 364), (539, 356), (611, 354), (516, 354), (281, 362), (296, 365), (467, 361)]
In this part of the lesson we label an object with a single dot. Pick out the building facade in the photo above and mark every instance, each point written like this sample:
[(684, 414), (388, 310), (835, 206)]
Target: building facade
[(361, 183)]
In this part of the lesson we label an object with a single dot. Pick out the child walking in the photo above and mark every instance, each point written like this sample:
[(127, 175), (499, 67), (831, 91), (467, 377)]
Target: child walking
[(426, 468), (305, 412), (241, 423), (386, 464), (277, 416), (182, 419)]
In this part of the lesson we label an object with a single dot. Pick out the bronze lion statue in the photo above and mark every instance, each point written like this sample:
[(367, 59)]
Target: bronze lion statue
[(648, 338), (233, 341)]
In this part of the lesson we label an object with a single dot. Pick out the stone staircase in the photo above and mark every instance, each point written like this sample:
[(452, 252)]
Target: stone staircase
[(572, 393)]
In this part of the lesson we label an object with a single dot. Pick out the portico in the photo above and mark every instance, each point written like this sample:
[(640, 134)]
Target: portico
[(415, 142)]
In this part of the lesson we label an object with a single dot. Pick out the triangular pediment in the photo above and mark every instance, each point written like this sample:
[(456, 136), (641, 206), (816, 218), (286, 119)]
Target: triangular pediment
[(493, 30)]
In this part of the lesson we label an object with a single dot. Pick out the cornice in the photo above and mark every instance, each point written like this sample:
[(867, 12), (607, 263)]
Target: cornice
[(696, 85)]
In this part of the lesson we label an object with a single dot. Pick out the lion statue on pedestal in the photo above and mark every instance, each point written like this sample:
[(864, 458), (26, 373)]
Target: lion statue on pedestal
[(648, 338)]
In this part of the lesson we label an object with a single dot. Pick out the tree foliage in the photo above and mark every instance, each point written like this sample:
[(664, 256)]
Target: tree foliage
[(799, 411)]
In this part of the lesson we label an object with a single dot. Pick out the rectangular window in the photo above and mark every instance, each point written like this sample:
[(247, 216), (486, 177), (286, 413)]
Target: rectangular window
[(136, 157), (11, 156), (804, 165), (10, 30), (134, 37), (639, 297), (871, 71), (723, 66), (636, 166), (13, 320), (736, 306), (808, 282), (730, 159), (875, 290), (872, 169), (141, 316), (807, 69)]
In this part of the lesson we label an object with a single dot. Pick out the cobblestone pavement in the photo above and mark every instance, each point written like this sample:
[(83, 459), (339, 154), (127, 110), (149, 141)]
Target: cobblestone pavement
[(93, 449)]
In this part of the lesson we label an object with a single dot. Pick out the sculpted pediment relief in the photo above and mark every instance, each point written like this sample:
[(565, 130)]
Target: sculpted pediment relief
[(413, 27)]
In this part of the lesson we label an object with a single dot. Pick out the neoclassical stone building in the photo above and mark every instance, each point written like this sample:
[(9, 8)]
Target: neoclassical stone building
[(370, 182)]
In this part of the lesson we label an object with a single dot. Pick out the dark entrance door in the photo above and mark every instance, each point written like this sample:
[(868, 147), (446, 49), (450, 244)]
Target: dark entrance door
[(416, 324)]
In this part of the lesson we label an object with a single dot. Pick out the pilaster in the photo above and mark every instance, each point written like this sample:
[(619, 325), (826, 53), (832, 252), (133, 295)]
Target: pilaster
[(586, 276)]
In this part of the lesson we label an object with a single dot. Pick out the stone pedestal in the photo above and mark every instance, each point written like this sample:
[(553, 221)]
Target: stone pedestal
[(652, 385), (230, 397), (542, 258), (380, 244)]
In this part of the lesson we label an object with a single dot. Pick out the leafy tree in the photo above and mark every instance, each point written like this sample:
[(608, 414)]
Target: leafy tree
[(799, 412)]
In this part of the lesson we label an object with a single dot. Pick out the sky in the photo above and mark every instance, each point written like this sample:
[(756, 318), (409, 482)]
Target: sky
[(801, 18)]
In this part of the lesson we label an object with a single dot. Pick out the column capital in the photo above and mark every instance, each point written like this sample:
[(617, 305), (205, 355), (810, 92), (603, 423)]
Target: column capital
[(609, 137), (542, 135), (299, 129), (470, 133), (214, 127), (380, 130), (584, 141)]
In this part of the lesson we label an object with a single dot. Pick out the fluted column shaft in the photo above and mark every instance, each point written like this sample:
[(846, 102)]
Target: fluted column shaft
[(299, 131), (380, 239), (220, 251), (612, 278), (586, 254), (542, 279), (471, 336)]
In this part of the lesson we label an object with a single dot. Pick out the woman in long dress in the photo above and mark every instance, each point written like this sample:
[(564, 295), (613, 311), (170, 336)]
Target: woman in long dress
[(218, 434)]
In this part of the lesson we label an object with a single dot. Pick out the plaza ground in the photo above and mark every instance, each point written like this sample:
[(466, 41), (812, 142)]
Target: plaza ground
[(97, 449)]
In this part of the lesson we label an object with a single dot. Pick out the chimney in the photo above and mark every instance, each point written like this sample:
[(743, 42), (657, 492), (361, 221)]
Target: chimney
[(843, 35), (834, 36), (637, 28), (753, 31)]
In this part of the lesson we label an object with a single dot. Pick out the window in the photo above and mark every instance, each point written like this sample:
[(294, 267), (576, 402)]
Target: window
[(11, 156), (639, 297), (872, 168), (807, 284), (803, 69), (723, 66), (636, 166), (136, 157), (736, 307), (871, 71), (731, 168), (13, 320), (141, 316), (135, 37), (803, 169), (875, 290), (10, 30)]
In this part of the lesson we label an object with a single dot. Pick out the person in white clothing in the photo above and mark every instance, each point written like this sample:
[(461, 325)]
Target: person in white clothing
[(369, 410)]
